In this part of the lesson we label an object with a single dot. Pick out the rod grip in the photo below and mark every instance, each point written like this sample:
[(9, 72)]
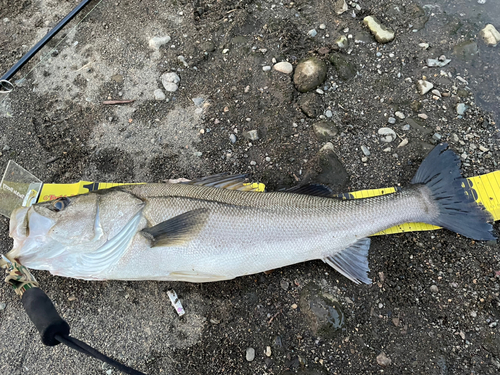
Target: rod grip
[(44, 316)]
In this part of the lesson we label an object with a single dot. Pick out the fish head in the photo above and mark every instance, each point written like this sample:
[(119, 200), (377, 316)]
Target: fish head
[(80, 223)]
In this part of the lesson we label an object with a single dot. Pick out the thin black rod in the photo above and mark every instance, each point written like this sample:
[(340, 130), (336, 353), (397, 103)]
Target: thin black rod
[(27, 57)]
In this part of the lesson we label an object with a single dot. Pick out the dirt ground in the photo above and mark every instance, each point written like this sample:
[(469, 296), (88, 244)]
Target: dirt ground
[(434, 306)]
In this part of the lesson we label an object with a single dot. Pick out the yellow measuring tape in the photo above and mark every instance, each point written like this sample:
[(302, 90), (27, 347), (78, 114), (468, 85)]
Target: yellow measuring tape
[(485, 190)]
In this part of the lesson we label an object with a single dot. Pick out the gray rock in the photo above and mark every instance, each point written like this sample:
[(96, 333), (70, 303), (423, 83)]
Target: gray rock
[(284, 284), (312, 33), (381, 33), (323, 313), (309, 74), (387, 135), (437, 63), (340, 6), (490, 35), (310, 104), (434, 289), (328, 113), (466, 50), (159, 95), (436, 137), (250, 354), (198, 101), (424, 86), (391, 120), (251, 135), (461, 108), (344, 67), (158, 41), (325, 130), (232, 138), (3, 305), (383, 360), (366, 150), (405, 127), (283, 67)]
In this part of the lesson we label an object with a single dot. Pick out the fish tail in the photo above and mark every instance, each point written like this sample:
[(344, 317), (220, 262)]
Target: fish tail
[(450, 192)]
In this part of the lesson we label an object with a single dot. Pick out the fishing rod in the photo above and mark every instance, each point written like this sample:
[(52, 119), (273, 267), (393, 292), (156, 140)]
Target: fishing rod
[(4, 80)]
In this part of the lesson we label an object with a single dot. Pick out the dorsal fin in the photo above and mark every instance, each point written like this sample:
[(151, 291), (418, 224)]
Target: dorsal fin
[(317, 190)]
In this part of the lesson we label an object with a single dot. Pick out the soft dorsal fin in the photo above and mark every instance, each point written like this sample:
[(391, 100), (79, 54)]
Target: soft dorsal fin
[(221, 180), (352, 262), (177, 230), (317, 190)]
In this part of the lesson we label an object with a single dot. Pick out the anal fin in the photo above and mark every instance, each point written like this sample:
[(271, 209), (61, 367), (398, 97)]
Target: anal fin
[(352, 262), (177, 230)]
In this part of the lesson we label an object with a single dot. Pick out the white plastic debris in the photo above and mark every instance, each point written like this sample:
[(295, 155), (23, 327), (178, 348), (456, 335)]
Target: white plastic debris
[(176, 302)]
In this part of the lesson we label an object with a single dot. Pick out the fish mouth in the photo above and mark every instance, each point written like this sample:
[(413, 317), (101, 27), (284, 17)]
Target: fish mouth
[(27, 228)]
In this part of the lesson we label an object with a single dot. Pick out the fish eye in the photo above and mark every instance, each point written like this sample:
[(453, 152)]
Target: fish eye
[(60, 204)]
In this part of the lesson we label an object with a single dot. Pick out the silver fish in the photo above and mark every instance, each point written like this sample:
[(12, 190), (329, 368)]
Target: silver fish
[(201, 233)]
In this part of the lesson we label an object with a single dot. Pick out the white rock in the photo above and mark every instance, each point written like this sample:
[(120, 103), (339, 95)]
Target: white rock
[(170, 81), (312, 33), (437, 62), (400, 115), (423, 116), (436, 92), (387, 135), (322, 26), (283, 67), (232, 138), (158, 41), (490, 35), (423, 45), (403, 143), (159, 95), (365, 150), (250, 354), (327, 147), (424, 86), (170, 86), (382, 33), (266, 68)]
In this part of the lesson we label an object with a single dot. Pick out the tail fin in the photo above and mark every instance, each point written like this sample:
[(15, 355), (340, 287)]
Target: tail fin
[(458, 211)]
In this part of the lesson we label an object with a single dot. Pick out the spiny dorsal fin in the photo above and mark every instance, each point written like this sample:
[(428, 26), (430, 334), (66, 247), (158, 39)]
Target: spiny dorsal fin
[(317, 190), (352, 262), (177, 230)]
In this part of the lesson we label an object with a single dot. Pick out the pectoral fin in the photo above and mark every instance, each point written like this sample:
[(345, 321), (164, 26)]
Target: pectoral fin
[(352, 262), (177, 230)]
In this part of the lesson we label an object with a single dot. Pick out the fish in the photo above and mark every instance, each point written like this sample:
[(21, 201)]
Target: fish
[(204, 233)]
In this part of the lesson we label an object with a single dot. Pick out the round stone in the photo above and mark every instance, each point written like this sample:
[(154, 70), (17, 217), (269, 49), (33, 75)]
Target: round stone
[(309, 74), (250, 354)]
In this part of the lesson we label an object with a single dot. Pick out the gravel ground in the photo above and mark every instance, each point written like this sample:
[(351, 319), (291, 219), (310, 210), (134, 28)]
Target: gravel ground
[(434, 305)]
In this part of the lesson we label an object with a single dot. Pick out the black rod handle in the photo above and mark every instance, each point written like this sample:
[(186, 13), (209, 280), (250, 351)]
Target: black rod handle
[(27, 57), (44, 316)]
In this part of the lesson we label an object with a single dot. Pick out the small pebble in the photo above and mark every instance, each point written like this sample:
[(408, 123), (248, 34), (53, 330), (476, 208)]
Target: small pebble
[(158, 41), (423, 116), (434, 289), (312, 33), (198, 154), (294, 306), (328, 113), (268, 351), (250, 354), (387, 135), (400, 115), (232, 138), (365, 150), (252, 135), (461, 107), (437, 137), (364, 159), (381, 33), (473, 314), (391, 120), (383, 360), (253, 162), (3, 305), (405, 127), (436, 92), (159, 95), (266, 68), (283, 67), (424, 86)]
